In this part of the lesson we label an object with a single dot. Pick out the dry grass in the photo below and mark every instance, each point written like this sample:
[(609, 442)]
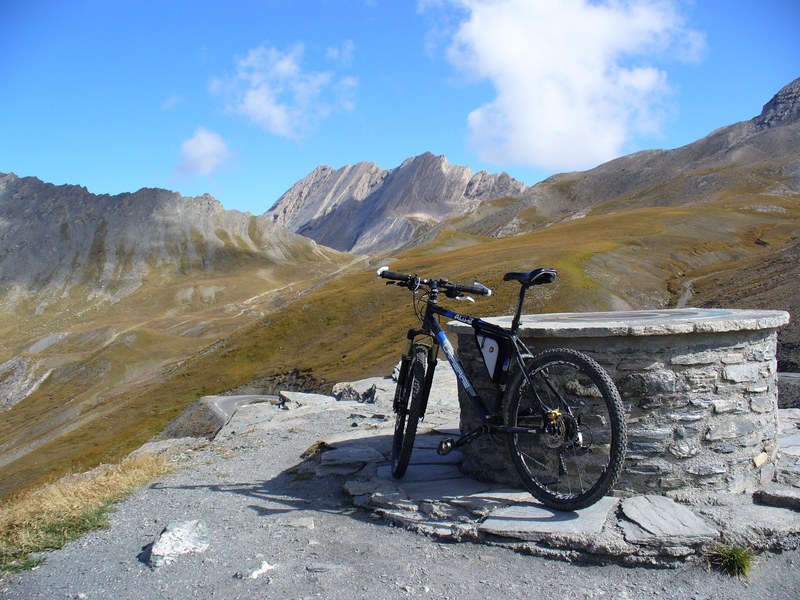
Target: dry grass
[(353, 326), (49, 517)]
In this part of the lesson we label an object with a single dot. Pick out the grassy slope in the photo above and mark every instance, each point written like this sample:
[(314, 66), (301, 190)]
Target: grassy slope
[(89, 404), (353, 326)]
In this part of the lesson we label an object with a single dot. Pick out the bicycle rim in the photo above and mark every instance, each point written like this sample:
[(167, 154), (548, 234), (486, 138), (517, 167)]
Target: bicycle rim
[(571, 457), (408, 413)]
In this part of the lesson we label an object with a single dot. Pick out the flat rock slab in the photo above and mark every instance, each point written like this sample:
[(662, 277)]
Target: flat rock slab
[(779, 497), (351, 455), (483, 503), (437, 490), (659, 521), (429, 456), (790, 444), (639, 322), (205, 417), (422, 473), (347, 460), (303, 399), (532, 520)]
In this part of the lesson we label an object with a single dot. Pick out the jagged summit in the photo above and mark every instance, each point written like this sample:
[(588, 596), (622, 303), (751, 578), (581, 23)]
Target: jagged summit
[(783, 108), (363, 208)]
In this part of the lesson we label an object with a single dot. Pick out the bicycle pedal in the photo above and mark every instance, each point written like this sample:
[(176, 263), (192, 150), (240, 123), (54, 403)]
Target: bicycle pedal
[(445, 446)]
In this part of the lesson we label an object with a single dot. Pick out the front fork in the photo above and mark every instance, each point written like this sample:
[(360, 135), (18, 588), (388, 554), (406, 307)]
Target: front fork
[(405, 366)]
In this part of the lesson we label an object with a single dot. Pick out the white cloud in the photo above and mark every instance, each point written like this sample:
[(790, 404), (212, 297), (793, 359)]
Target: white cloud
[(342, 54), (574, 80), (273, 90), (173, 101), (203, 153)]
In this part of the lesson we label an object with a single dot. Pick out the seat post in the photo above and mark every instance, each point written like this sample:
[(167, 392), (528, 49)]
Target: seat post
[(515, 322)]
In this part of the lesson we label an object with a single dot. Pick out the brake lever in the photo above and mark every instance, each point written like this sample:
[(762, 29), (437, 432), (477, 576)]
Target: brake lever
[(465, 297)]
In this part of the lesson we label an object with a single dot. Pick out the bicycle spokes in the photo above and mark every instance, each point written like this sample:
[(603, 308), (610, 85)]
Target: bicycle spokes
[(565, 446)]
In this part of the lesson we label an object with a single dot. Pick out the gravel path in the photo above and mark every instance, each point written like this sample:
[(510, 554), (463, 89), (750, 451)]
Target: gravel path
[(278, 533)]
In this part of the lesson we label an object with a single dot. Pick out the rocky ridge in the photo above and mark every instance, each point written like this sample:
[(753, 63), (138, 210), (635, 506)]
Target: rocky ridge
[(365, 209), (61, 240), (782, 109), (763, 151)]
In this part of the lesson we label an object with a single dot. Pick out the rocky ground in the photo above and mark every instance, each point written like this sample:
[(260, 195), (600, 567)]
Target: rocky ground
[(261, 520)]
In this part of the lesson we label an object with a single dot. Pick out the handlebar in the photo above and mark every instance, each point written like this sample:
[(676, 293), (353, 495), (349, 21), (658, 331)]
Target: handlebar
[(452, 290)]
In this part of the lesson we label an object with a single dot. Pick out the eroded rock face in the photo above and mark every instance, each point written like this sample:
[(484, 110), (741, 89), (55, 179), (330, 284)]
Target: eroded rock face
[(363, 208), (783, 108)]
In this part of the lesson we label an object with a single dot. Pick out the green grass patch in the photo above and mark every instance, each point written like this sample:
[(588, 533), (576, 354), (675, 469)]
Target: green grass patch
[(733, 560)]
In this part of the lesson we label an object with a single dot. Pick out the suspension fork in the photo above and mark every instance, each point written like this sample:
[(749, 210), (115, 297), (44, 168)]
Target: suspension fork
[(405, 365)]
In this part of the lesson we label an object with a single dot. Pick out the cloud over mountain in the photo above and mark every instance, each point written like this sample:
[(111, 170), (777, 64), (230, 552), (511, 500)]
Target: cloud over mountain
[(203, 153), (574, 81)]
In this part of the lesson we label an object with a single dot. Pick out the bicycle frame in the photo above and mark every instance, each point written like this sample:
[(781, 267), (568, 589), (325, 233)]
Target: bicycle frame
[(491, 420)]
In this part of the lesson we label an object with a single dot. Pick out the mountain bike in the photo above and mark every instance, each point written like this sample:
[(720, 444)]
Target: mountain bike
[(560, 413)]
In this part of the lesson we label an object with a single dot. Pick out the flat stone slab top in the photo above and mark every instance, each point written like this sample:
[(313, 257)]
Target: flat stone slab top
[(522, 520), (639, 322), (659, 521)]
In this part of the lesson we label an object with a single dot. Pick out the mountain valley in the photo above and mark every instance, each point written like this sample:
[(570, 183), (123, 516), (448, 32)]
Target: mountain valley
[(118, 312)]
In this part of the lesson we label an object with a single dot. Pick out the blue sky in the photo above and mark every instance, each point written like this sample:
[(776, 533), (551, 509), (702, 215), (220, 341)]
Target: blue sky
[(243, 98)]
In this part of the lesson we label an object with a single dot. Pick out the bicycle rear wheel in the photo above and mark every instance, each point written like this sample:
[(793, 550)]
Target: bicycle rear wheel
[(572, 456), (409, 409)]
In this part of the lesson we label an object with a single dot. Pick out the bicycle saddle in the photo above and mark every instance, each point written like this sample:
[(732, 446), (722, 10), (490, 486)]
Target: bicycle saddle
[(535, 277)]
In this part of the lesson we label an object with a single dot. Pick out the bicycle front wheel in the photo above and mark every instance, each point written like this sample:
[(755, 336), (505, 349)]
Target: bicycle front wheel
[(568, 455), (409, 410)]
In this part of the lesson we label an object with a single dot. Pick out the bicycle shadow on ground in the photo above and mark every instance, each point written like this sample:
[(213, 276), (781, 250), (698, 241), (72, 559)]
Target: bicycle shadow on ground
[(352, 476)]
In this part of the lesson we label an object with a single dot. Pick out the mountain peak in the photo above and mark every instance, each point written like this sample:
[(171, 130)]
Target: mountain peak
[(783, 108), (363, 208)]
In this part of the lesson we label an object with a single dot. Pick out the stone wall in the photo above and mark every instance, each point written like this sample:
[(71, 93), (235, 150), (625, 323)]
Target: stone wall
[(701, 408)]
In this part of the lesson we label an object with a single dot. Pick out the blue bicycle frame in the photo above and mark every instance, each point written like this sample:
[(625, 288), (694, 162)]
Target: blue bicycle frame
[(491, 419)]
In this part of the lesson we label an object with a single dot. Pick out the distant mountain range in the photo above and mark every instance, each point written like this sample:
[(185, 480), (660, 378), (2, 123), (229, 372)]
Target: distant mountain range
[(363, 208)]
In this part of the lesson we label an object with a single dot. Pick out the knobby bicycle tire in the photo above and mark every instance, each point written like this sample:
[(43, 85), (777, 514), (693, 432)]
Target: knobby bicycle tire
[(571, 458), (409, 410)]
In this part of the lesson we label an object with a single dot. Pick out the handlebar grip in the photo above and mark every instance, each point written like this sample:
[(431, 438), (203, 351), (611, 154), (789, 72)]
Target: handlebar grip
[(481, 289), (387, 274), (476, 288)]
